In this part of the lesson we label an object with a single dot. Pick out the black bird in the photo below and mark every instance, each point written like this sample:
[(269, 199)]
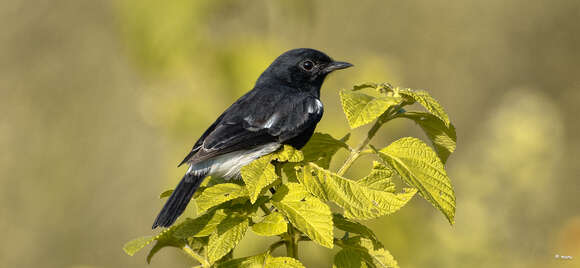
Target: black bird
[(283, 108)]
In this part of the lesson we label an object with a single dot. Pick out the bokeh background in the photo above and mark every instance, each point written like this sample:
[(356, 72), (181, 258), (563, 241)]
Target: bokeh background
[(99, 100)]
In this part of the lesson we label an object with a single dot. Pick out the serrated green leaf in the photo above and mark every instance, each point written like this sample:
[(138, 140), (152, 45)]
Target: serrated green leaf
[(228, 234), (257, 261), (258, 174), (261, 173), (217, 194), (371, 256), (213, 180), (361, 109), (420, 167), (137, 244), (380, 178), (443, 137), (262, 261), (310, 215), (381, 257), (288, 154), (351, 258), (428, 102), (244, 206), (357, 200), (156, 248), (354, 227), (165, 239), (203, 225), (290, 170), (197, 243), (321, 148), (283, 262), (272, 224), (231, 221), (209, 222)]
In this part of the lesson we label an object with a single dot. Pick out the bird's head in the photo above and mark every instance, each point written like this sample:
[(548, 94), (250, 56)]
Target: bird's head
[(301, 68)]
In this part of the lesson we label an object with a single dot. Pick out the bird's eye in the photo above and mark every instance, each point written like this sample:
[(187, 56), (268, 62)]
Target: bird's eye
[(307, 65)]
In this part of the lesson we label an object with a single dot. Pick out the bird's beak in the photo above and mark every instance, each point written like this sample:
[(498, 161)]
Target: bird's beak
[(336, 65)]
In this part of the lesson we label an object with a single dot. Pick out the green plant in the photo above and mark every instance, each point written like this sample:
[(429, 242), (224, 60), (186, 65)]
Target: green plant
[(286, 193)]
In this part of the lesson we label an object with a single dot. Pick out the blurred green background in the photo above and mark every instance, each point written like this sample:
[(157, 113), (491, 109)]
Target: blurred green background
[(99, 101)]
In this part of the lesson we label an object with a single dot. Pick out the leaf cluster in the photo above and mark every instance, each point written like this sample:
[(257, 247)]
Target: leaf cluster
[(287, 194)]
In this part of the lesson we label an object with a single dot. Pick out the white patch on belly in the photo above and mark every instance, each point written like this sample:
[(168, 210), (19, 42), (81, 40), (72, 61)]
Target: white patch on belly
[(229, 165)]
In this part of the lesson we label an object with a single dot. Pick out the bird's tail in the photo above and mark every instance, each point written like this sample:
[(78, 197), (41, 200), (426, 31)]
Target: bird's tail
[(179, 199)]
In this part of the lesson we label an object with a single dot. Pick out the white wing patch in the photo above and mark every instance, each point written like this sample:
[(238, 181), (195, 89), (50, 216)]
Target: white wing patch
[(229, 165), (317, 108), (268, 124), (250, 121), (271, 121)]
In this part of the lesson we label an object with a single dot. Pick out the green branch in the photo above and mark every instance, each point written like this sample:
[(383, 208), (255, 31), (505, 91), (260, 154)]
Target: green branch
[(276, 245), (356, 153), (189, 251), (291, 243)]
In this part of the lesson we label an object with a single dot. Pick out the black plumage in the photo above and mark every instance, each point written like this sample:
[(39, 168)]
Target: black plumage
[(282, 108)]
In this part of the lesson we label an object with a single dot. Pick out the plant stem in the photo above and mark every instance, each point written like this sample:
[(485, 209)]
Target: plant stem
[(356, 153), (291, 244), (196, 256), (339, 242), (276, 245), (265, 209)]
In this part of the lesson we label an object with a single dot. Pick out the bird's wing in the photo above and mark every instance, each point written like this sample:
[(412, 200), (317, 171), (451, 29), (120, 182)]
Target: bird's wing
[(256, 119)]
